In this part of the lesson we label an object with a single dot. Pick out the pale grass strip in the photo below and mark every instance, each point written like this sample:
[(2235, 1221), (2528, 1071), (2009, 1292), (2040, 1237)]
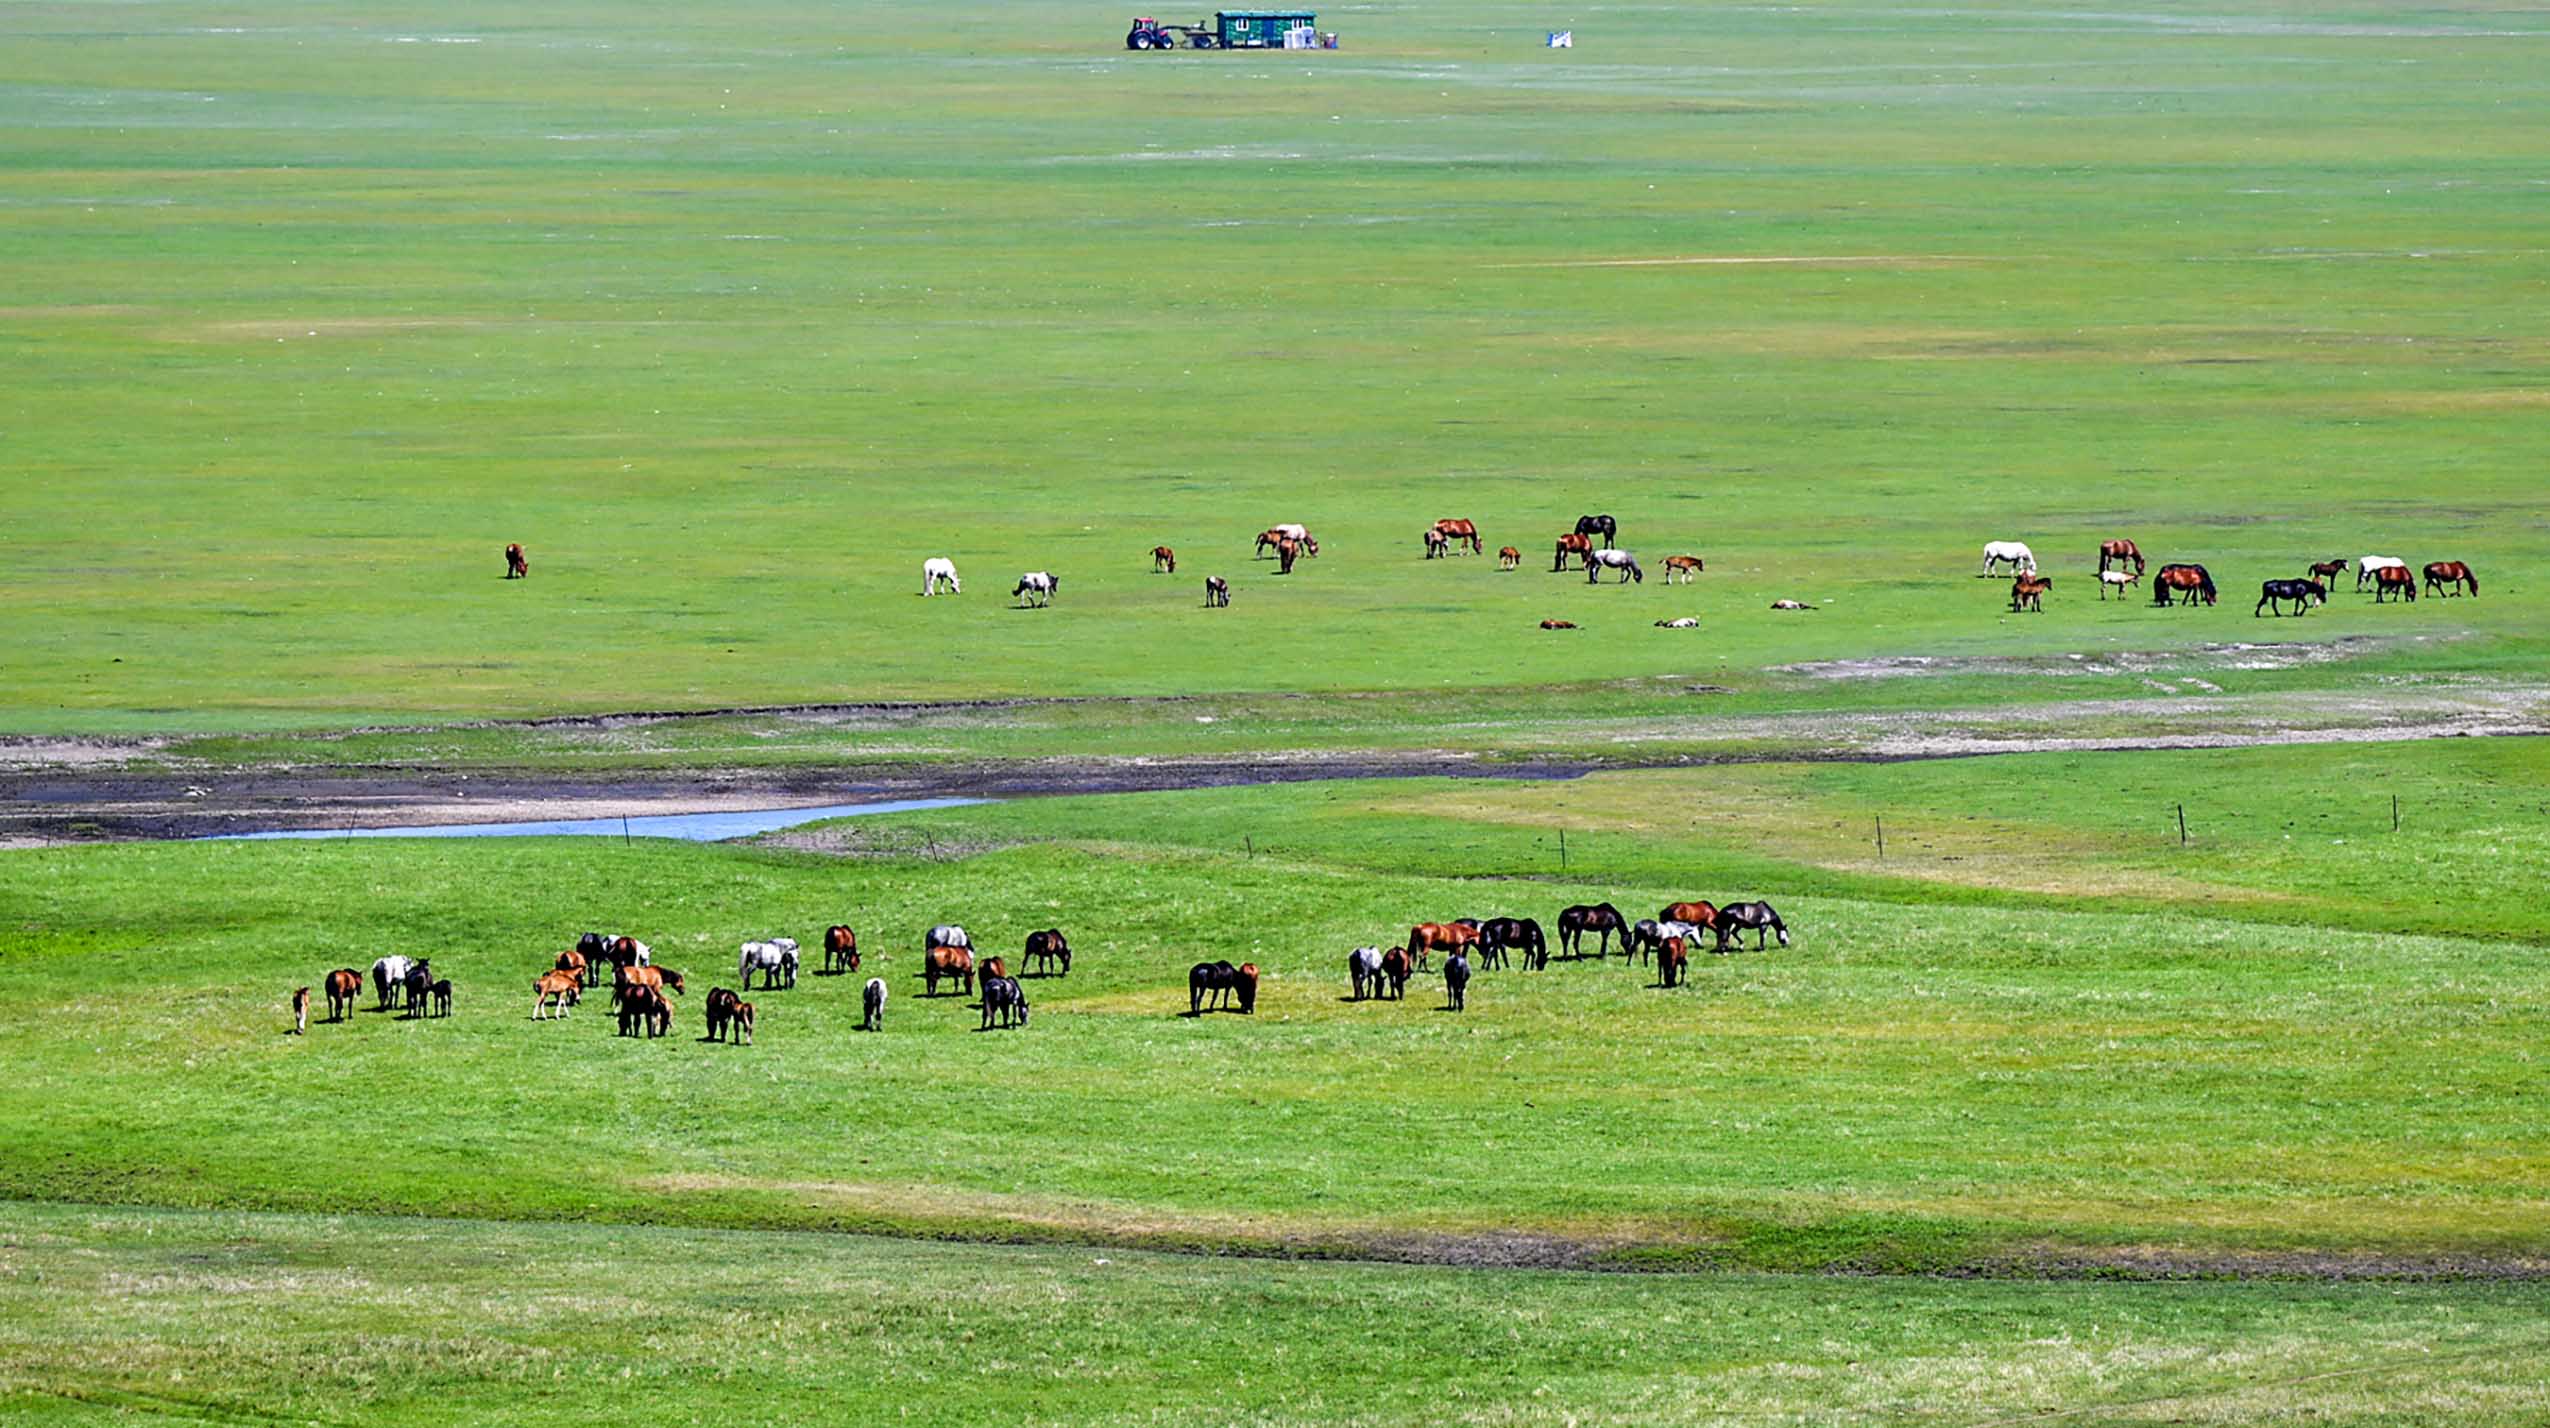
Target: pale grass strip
[(1742, 260), (2197, 1395)]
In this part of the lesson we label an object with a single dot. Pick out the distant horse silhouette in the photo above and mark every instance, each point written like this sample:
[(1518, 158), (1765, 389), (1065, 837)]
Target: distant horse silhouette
[(516, 566), (1507, 557), (2028, 593), (1164, 561), (2303, 593)]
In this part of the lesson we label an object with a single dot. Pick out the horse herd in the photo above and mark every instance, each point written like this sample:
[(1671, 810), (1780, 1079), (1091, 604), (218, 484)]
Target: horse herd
[(2121, 567), (1375, 973)]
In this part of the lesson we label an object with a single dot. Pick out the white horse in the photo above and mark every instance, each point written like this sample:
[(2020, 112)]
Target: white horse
[(776, 960), (2115, 580), (1598, 561), (2364, 568), (1294, 529), (389, 972), (2020, 558), (872, 1001), (936, 569), (948, 934), (1684, 622), (1037, 587)]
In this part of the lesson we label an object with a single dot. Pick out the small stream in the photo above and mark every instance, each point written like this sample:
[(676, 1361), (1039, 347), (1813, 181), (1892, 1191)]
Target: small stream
[(690, 827)]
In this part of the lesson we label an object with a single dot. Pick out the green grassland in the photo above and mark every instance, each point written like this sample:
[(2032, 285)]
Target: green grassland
[(108, 1315), (2122, 1056), (731, 316)]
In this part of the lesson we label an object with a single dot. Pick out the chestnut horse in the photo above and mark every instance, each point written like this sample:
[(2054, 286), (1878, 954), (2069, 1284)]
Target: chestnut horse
[(952, 963), (1698, 914), (2172, 579), (1394, 970), (344, 986), (646, 1008), (300, 1011), (1425, 937), (2446, 577), (1507, 557), (560, 989), (720, 1014), (1679, 569), (1673, 962), (1601, 918), (1576, 545), (840, 949), (2395, 580), (572, 961), (2327, 571), (2028, 593), (516, 567), (1287, 550), (1558, 624), (1164, 561), (2116, 553), (1457, 530)]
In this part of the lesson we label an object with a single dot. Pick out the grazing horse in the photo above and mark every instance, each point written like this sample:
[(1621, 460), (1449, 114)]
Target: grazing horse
[(1036, 588), (1245, 984), (1217, 592), (872, 1005), (775, 959), (1609, 559), (1643, 934), (1437, 543), (561, 990), (645, 1008), (840, 949), (948, 934), (719, 1012), (390, 971), (1681, 569), (2116, 552), (1457, 531), (2119, 581), (1456, 981), (1604, 526), (938, 570), (1450, 936), (2303, 593), (1576, 545), (1210, 984), (516, 567), (2365, 567), (573, 963), (2447, 577), (1673, 961), (442, 994), (2327, 571), (1395, 972), (2028, 593), (1164, 561), (1507, 557), (635, 979), (1044, 949), (1003, 1001), (2014, 553), (2169, 580), (419, 985), (1600, 918), (1696, 914), (1363, 972), (2394, 580), (344, 986), (1281, 530), (1500, 935), (301, 1012), (1287, 550), (950, 963), (1735, 918), (988, 968)]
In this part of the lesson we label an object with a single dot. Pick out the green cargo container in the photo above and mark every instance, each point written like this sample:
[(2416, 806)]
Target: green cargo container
[(1258, 29)]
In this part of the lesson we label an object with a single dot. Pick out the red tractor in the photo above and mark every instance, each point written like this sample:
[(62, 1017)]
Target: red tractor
[(1150, 34)]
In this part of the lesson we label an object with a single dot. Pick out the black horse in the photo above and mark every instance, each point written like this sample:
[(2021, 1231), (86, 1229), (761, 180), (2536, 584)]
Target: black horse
[(2303, 593), (1735, 917), (1044, 949), (1603, 526), (419, 984), (1003, 1001), (1499, 937), (1601, 918), (1456, 980), (1210, 982)]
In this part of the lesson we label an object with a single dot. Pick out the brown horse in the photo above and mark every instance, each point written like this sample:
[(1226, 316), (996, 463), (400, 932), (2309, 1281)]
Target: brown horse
[(573, 961), (343, 986), (2028, 593), (992, 967), (300, 1011), (1673, 961), (1580, 546), (2117, 552), (1394, 970), (1044, 949), (1245, 985), (559, 989), (653, 979), (1164, 561), (1680, 568), (1437, 543), (1698, 914), (1558, 624), (645, 1009), (719, 1011), (2395, 580), (1457, 530), (950, 963), (2327, 571), (840, 949), (2171, 580), (2446, 577), (1217, 592), (1287, 550), (1507, 557), (516, 567), (1425, 937)]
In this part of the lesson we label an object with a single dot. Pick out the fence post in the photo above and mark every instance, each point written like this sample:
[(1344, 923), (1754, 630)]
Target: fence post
[(2182, 825), (1881, 837), (1562, 850), (2395, 813), (1251, 841), (624, 830)]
